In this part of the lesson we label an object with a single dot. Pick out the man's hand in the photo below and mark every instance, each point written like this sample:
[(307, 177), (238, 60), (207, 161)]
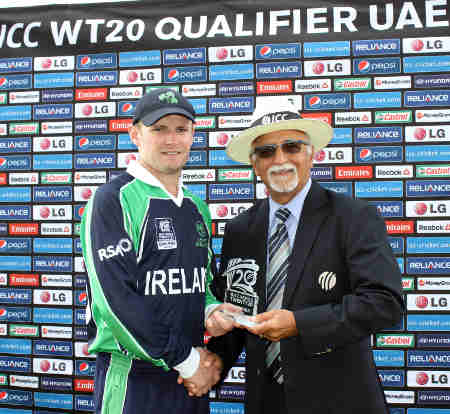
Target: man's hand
[(206, 376), (217, 323), (274, 325)]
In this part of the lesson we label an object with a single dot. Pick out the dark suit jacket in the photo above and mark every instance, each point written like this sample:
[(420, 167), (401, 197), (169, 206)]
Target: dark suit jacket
[(328, 367)]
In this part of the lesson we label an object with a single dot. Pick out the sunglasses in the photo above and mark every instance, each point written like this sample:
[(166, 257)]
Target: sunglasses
[(290, 146)]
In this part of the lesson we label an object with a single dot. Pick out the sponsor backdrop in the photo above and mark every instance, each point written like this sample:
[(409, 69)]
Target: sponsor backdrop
[(378, 72)]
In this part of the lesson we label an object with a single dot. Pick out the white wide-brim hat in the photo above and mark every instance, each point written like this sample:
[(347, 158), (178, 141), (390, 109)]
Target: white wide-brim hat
[(281, 115)]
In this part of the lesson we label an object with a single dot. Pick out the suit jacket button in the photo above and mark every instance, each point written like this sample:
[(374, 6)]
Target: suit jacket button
[(258, 372)]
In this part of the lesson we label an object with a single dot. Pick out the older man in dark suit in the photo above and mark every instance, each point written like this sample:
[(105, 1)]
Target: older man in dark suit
[(316, 269)]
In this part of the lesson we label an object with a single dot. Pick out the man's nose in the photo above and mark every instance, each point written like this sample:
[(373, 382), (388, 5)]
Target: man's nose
[(279, 157), (171, 137)]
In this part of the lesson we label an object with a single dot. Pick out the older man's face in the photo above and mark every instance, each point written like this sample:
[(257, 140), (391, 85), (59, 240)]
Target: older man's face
[(284, 173)]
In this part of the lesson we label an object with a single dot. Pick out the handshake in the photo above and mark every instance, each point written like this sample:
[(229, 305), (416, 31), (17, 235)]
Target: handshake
[(206, 376), (272, 325), (219, 322)]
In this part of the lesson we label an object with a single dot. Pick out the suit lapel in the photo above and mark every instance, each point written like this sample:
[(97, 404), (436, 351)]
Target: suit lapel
[(258, 229), (313, 214)]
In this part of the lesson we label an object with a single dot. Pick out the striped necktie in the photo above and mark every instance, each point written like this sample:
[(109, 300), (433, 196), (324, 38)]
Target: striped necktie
[(279, 251)]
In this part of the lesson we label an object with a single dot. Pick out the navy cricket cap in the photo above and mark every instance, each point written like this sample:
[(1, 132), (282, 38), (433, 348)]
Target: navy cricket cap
[(161, 102)]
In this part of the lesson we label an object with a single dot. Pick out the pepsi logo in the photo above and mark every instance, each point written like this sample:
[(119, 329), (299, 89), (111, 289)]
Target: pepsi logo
[(3, 244), (85, 60), (83, 142), (173, 74), (417, 45), (3, 395), (2, 161), (222, 53), (127, 107), (82, 297), (314, 101), (3, 81), (84, 366), (3, 311), (363, 66), (365, 154), (266, 51), (422, 302)]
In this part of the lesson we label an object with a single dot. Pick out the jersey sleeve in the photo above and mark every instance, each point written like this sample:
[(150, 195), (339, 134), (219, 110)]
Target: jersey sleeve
[(116, 306)]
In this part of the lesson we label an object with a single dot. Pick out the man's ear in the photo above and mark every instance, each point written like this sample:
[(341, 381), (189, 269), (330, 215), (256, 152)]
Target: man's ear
[(254, 164), (133, 131)]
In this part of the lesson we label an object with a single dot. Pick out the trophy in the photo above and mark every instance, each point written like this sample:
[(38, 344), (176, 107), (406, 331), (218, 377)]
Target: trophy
[(241, 277)]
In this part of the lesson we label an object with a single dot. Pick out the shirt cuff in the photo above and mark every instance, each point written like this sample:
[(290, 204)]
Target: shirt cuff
[(188, 367), (210, 309)]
